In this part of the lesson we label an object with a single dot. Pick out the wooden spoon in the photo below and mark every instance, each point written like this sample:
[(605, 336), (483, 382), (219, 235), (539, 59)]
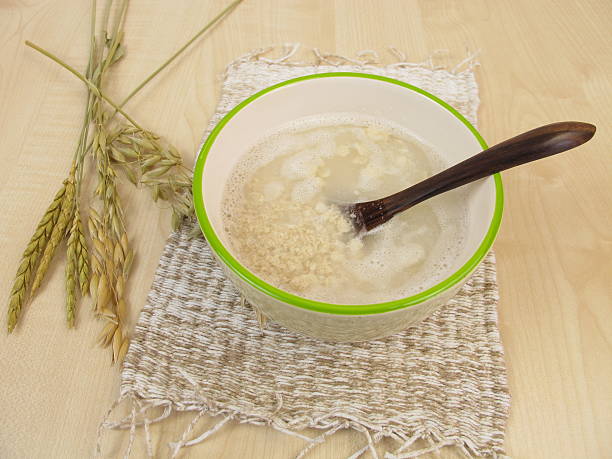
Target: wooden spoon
[(532, 145)]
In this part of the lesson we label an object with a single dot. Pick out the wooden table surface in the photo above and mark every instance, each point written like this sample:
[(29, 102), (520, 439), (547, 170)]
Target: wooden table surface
[(542, 61)]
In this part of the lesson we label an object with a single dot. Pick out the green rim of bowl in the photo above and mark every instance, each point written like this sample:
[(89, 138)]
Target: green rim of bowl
[(330, 308)]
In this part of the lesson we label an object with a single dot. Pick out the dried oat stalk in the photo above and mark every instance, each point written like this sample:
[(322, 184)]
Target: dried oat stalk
[(71, 284), (112, 253), (30, 257), (57, 234), (146, 160), (77, 266), (113, 146), (81, 252)]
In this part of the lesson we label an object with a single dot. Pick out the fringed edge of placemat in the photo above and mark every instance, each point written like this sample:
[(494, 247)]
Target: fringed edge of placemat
[(332, 422), (286, 54), (329, 423)]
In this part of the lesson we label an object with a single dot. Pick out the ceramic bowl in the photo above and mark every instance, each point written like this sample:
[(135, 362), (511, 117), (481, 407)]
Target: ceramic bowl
[(428, 117)]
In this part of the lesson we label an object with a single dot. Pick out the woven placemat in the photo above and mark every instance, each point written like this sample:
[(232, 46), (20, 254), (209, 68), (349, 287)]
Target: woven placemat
[(197, 347)]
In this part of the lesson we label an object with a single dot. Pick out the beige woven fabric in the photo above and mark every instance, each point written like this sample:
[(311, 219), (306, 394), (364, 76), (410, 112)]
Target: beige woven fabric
[(196, 347)]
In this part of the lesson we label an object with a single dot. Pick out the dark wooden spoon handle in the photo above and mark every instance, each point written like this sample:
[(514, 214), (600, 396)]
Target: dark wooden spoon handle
[(532, 145)]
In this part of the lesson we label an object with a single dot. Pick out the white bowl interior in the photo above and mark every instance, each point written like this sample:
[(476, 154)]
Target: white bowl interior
[(424, 117)]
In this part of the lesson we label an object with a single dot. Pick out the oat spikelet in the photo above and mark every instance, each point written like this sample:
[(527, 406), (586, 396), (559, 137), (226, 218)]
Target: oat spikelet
[(71, 269), (103, 293), (158, 166), (57, 234), (123, 349), (106, 336), (117, 342), (30, 257)]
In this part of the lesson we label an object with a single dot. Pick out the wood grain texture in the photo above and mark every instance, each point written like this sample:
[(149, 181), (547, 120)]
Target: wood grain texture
[(542, 61)]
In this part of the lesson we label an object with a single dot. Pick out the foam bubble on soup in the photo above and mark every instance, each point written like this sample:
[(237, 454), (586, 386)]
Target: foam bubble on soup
[(283, 222)]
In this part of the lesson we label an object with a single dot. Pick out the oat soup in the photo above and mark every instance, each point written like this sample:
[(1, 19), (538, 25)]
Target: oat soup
[(281, 215)]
